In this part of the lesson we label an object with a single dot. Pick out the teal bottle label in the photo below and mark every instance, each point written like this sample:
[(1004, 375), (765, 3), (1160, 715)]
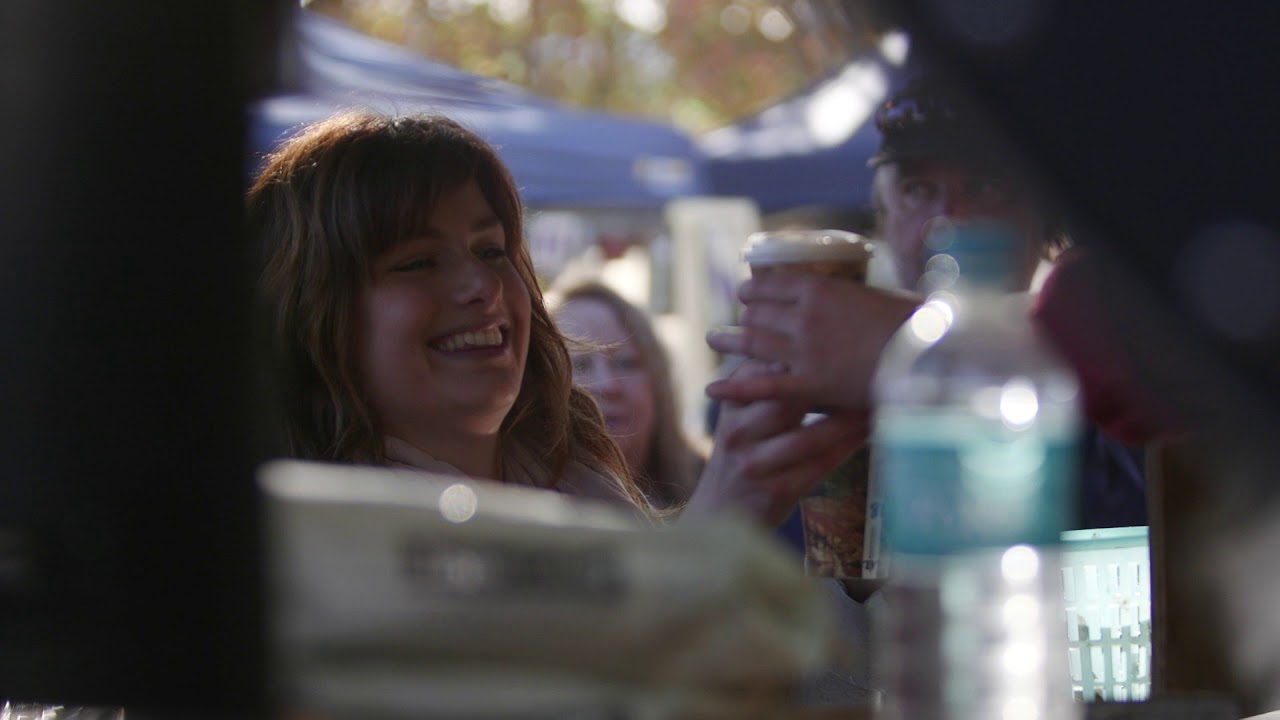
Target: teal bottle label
[(957, 483)]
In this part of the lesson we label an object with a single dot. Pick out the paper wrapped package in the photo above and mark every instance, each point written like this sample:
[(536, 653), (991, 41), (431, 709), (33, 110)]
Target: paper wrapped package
[(405, 572)]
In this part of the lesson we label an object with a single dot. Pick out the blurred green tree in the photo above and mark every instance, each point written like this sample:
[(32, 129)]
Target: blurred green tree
[(698, 64)]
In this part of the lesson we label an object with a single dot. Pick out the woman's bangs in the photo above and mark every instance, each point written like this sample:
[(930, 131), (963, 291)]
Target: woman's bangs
[(401, 197)]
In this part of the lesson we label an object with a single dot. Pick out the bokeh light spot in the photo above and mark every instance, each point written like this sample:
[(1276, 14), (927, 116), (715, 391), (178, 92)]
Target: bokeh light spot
[(458, 503), (775, 25), (931, 322), (1020, 563), (1019, 404)]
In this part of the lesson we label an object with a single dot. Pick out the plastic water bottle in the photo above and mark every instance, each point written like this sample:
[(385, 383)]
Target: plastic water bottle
[(974, 449)]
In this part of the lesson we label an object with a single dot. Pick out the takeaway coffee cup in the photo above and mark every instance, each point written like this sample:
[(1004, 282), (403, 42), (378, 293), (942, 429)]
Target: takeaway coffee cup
[(841, 517), (828, 252)]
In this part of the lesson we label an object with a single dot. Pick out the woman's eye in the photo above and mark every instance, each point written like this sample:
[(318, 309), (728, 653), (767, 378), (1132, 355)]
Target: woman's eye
[(412, 264), (492, 252), (627, 363)]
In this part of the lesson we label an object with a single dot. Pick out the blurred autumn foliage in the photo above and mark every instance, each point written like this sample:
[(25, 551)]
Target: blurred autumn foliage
[(698, 64)]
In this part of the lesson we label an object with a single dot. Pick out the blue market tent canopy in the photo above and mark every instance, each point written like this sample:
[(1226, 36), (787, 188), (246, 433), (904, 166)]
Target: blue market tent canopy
[(809, 151), (559, 156)]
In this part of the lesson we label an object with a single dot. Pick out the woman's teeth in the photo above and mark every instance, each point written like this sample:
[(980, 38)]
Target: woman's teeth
[(491, 337)]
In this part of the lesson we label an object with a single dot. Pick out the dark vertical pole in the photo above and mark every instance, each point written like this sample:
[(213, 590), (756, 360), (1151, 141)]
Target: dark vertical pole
[(128, 530)]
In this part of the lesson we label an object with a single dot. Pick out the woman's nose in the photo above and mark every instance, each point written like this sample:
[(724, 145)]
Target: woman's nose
[(475, 283), (605, 379)]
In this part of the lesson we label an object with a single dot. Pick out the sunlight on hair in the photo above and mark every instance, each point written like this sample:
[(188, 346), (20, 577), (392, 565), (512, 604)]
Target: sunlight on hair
[(629, 276)]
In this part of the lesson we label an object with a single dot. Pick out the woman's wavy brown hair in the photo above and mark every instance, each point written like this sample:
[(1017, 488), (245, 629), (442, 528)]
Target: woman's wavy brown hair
[(325, 204), (671, 469)]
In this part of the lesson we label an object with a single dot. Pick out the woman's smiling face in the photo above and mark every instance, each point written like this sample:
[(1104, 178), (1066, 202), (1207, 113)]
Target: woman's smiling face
[(615, 374), (443, 324)]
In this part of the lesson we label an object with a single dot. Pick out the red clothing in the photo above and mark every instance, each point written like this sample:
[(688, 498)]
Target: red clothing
[(1072, 307)]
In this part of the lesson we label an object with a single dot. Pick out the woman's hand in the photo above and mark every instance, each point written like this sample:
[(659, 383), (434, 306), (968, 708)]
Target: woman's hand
[(765, 459), (822, 337)]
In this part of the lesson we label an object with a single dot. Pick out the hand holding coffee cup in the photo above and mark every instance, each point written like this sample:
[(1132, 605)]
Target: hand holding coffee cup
[(841, 515), (833, 253)]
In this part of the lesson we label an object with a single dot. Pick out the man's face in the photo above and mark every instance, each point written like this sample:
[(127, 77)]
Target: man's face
[(916, 191)]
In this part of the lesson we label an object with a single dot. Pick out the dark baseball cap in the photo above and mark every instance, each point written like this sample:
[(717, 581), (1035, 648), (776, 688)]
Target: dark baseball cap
[(931, 118)]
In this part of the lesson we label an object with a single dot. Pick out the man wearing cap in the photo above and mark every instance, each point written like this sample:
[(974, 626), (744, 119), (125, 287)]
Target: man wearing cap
[(938, 158)]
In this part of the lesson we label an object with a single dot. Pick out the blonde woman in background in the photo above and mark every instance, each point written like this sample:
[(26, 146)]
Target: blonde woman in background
[(618, 358)]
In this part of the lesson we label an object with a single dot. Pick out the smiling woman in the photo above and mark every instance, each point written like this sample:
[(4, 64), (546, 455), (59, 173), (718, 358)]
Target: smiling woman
[(444, 333), (405, 324), (405, 327)]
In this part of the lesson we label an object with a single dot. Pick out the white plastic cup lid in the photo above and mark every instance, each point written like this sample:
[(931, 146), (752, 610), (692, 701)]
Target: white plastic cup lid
[(802, 246)]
